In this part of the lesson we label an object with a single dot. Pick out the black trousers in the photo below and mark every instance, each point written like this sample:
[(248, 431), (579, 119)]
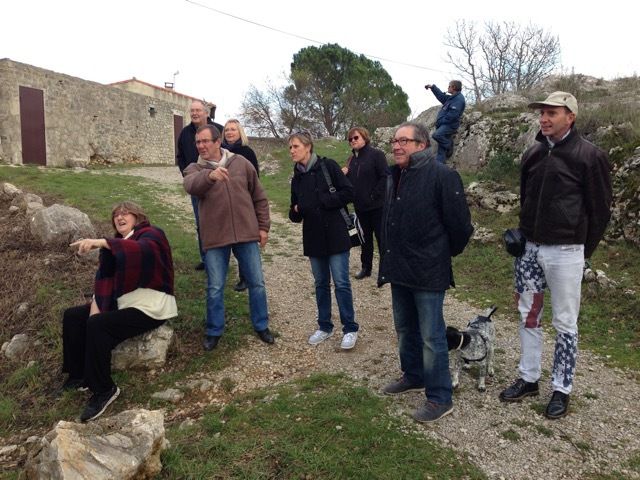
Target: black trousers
[(87, 341), (371, 222)]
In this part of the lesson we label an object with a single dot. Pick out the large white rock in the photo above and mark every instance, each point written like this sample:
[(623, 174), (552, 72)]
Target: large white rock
[(60, 225), (123, 447), (144, 352)]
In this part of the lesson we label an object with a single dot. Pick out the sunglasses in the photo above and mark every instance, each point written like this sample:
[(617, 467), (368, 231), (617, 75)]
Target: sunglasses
[(355, 137)]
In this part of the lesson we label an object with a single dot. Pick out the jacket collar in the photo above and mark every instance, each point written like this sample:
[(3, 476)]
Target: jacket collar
[(310, 164), (224, 161), (357, 153), (573, 133)]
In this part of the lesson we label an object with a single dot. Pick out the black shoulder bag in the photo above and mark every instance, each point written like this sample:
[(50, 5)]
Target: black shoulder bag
[(351, 219)]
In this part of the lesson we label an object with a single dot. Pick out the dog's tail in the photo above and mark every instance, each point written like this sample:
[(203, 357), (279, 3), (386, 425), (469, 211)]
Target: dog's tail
[(490, 311), (456, 339)]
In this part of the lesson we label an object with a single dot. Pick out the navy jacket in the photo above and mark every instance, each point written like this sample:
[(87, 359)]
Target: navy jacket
[(425, 222), (368, 174), (186, 151), (324, 231), (452, 108), (565, 192)]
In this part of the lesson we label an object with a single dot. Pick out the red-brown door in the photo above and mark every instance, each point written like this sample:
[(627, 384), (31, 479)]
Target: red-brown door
[(177, 128), (34, 147)]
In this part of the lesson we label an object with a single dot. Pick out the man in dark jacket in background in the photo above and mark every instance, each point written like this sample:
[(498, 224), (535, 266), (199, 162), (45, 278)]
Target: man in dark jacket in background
[(187, 153), (565, 204), (448, 120), (426, 221)]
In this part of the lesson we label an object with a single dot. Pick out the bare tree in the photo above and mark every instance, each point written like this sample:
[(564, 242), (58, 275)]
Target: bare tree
[(259, 113), (536, 53), (503, 57), (464, 37), (495, 45)]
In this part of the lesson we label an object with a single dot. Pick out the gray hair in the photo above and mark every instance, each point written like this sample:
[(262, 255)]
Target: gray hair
[(456, 84), (420, 131)]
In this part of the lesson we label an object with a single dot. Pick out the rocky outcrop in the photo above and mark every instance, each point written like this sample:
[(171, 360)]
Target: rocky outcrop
[(494, 130), (625, 215), (491, 196), (60, 225), (506, 101), (126, 446)]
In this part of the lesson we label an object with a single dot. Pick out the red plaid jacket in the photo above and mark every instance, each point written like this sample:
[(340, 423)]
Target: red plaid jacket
[(141, 261)]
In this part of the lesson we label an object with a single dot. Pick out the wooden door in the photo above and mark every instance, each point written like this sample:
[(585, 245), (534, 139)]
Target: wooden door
[(177, 128), (34, 146)]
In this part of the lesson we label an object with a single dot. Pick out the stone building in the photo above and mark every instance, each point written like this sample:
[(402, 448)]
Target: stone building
[(52, 119)]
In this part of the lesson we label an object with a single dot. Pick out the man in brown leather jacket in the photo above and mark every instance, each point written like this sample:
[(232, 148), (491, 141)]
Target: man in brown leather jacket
[(565, 203)]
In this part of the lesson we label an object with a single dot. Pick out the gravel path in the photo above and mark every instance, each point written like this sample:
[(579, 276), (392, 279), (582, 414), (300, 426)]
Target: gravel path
[(508, 441)]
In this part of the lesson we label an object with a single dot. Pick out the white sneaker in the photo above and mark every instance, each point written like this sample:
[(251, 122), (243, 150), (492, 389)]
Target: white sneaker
[(319, 336), (349, 340)]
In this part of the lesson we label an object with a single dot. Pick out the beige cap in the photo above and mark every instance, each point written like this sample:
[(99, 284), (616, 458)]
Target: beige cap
[(558, 99)]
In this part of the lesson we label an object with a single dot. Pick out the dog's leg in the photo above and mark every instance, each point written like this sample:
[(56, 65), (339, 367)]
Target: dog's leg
[(455, 368), (482, 373), (490, 348)]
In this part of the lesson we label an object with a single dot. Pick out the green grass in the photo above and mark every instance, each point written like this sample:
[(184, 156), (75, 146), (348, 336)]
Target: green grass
[(8, 412), (511, 435), (321, 427)]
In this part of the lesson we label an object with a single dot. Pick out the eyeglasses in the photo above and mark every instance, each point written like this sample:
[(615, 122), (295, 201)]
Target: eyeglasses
[(355, 137), (402, 141), (122, 213), (205, 141)]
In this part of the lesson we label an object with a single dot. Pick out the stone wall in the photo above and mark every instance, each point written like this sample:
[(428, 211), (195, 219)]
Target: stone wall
[(86, 120)]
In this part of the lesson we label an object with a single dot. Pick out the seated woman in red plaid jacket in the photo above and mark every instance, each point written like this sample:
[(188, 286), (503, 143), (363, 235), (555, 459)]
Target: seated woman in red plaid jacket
[(133, 294)]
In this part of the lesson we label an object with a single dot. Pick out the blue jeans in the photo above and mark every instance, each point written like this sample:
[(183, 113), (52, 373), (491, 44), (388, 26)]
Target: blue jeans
[(336, 266), (422, 340), (194, 204), (444, 136), (217, 261)]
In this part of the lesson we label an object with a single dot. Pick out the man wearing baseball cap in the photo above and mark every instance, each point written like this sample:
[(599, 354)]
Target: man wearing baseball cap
[(565, 202)]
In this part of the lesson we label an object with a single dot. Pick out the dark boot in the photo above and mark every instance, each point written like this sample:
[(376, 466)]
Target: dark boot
[(558, 406), (362, 274)]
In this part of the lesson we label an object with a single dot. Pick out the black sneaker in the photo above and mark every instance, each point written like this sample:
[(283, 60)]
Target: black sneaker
[(98, 403), (402, 386), (200, 266), (558, 406), (519, 390)]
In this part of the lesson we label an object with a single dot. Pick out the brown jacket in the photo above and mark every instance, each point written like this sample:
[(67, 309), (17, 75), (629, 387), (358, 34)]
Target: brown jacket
[(232, 211)]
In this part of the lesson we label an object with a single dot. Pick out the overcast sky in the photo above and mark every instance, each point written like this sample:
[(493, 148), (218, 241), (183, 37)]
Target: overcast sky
[(218, 57)]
